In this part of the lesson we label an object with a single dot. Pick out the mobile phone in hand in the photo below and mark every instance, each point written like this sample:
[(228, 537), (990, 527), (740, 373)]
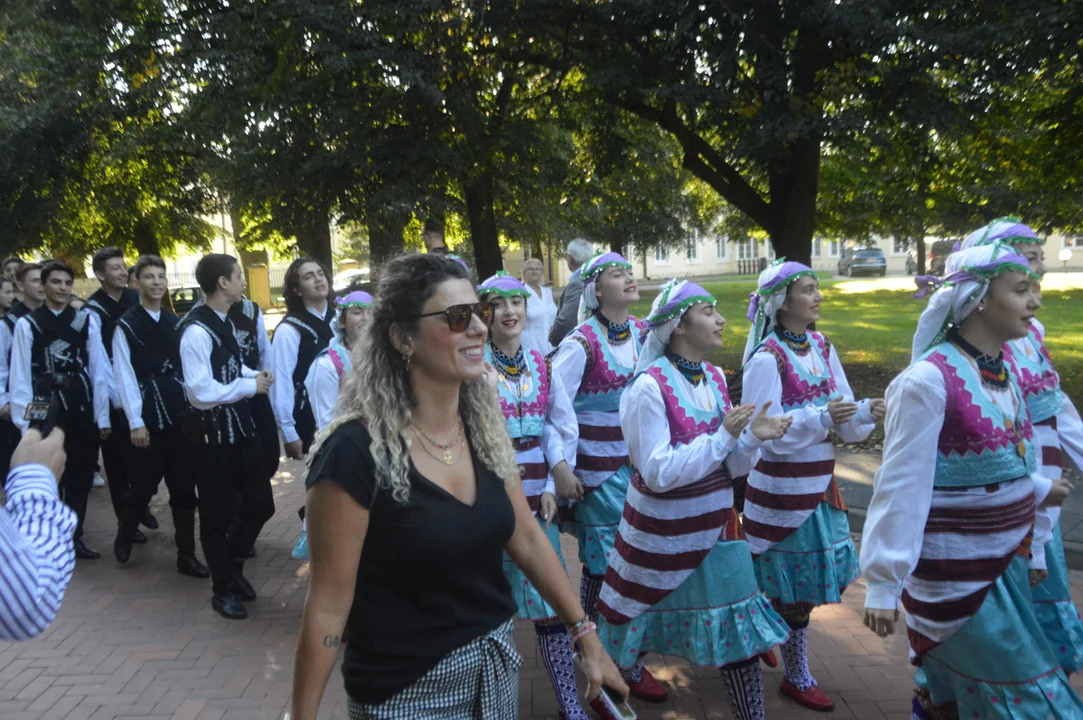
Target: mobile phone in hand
[(613, 702)]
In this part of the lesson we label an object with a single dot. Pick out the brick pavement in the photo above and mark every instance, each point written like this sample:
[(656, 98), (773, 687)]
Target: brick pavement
[(141, 641)]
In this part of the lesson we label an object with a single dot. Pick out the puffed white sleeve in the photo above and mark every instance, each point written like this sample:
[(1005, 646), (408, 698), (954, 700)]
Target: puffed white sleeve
[(127, 384), (5, 362), (861, 424), (570, 362), (284, 361), (101, 372), (22, 386), (1070, 434), (322, 386), (204, 392), (662, 466), (761, 383), (263, 341), (560, 437), (903, 486)]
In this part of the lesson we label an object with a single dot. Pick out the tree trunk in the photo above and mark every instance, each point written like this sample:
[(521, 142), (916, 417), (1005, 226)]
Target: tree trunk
[(385, 238), (144, 239), (919, 250), (484, 236), (793, 199), (314, 238)]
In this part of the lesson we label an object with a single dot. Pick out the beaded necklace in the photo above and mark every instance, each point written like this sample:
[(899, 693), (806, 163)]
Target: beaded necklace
[(993, 371), (693, 372), (617, 334), (513, 372), (798, 343)]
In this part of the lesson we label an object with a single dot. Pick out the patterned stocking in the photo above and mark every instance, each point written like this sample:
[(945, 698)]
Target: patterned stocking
[(744, 684), (917, 712), (555, 646), (590, 587), (795, 656)]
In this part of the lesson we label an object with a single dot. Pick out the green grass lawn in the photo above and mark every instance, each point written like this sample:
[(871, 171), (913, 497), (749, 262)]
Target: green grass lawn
[(872, 330)]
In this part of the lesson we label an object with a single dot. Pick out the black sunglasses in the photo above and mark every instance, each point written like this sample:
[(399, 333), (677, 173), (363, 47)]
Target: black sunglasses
[(458, 316)]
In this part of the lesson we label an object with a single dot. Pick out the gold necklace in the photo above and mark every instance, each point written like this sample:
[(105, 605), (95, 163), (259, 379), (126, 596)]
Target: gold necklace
[(420, 431), (446, 458)]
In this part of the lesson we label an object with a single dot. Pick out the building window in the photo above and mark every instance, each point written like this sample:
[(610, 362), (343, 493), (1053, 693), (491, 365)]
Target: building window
[(661, 255), (833, 249), (816, 244), (1073, 241), (899, 246), (720, 248), (770, 250), (748, 249), (691, 250)]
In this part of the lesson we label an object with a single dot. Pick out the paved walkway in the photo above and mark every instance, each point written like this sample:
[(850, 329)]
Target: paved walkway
[(141, 641)]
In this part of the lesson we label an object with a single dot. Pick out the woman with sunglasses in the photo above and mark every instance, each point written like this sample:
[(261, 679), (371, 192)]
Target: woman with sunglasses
[(681, 580), (595, 362), (414, 497), (541, 423), (794, 516)]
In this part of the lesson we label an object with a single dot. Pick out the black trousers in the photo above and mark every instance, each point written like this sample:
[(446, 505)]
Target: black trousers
[(81, 446), (267, 431), (231, 482), (115, 458), (9, 440), (173, 456)]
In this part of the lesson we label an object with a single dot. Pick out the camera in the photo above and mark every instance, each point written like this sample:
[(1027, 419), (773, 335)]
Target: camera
[(42, 413)]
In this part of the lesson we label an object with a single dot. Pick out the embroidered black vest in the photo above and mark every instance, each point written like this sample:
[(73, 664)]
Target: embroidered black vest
[(230, 423), (109, 312), (315, 337), (154, 348), (60, 348), (244, 314)]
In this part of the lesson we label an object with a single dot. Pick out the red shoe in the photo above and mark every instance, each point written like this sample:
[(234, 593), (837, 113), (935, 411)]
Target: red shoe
[(769, 659), (648, 688), (812, 698), (599, 707)]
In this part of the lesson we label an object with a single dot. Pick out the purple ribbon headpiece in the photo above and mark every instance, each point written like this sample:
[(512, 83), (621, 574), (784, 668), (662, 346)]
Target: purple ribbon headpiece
[(358, 298), (676, 297), (504, 285)]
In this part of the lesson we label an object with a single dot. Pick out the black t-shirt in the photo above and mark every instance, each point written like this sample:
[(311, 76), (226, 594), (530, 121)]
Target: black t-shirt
[(431, 575)]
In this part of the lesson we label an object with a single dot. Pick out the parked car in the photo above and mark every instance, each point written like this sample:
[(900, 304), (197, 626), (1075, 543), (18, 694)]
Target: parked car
[(938, 255), (855, 261), (185, 298), (346, 279)]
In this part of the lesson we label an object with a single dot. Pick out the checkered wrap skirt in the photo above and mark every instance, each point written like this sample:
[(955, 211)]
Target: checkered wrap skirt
[(479, 681)]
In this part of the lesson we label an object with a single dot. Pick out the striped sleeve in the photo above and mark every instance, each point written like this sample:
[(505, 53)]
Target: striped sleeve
[(37, 556)]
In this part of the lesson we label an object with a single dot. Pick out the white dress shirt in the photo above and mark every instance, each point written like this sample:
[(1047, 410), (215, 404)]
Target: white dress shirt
[(126, 383), (5, 363), (204, 392), (541, 311), (570, 361), (263, 342), (22, 387), (322, 384), (284, 351)]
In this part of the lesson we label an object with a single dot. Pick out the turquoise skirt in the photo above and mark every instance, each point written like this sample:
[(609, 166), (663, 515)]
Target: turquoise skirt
[(596, 519), (814, 565), (530, 603), (998, 664), (715, 617), (1056, 612)]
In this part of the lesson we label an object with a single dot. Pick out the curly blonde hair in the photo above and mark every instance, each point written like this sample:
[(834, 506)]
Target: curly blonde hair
[(378, 389)]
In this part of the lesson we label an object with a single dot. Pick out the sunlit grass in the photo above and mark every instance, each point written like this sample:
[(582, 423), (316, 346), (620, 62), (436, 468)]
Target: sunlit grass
[(872, 324)]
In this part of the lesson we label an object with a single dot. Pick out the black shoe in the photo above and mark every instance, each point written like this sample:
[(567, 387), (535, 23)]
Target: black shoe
[(192, 567), (122, 549), (139, 538), (243, 588), (229, 607), (83, 552), (149, 521)]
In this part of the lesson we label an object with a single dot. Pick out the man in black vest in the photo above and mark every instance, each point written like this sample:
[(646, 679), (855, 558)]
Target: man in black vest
[(303, 334), (59, 344), (220, 386), (148, 381), (110, 301), (33, 297)]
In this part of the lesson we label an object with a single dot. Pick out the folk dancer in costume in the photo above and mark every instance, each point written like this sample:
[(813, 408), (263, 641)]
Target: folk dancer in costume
[(147, 373), (542, 426), (302, 335), (794, 515), (1058, 433), (681, 580), (952, 531), (30, 294), (59, 344), (595, 362), (110, 301), (328, 373), (219, 386)]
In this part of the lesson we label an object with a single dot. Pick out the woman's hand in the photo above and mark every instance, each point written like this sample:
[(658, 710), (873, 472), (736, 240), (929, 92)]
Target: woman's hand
[(881, 622), (841, 411), (1058, 493), (548, 509), (878, 408), (568, 485), (766, 427), (737, 419), (1037, 576), (599, 668)]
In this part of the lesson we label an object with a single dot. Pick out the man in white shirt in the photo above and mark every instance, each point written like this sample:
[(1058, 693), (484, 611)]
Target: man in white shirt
[(150, 388), (32, 294), (59, 344), (219, 386)]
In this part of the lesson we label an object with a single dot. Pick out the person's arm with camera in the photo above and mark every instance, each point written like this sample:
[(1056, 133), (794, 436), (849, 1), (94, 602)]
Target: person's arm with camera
[(37, 554), (101, 376)]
